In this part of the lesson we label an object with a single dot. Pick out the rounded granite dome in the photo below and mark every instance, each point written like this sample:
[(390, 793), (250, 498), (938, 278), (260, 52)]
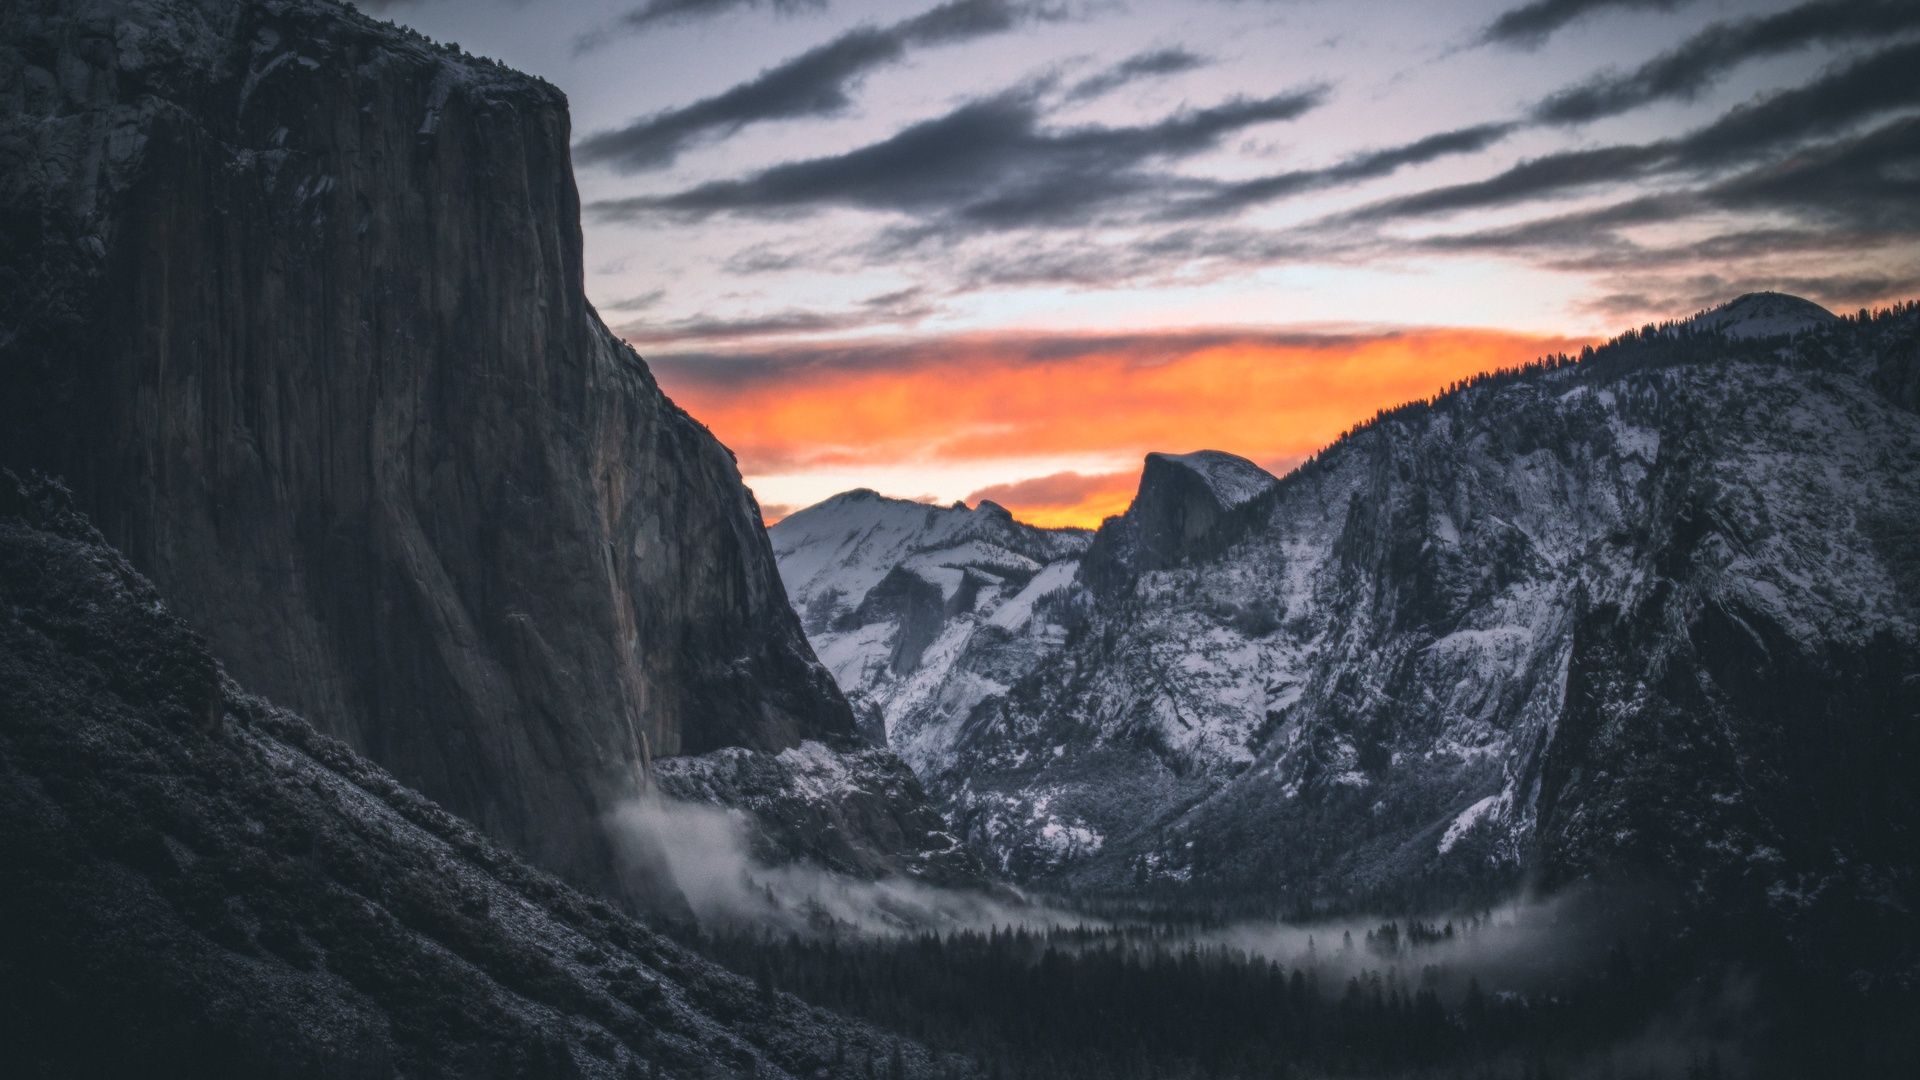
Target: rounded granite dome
[(1763, 314)]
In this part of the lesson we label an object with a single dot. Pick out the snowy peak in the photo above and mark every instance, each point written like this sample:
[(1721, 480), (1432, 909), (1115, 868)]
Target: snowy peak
[(833, 554), (1763, 314), (1188, 505), (922, 611), (1232, 479)]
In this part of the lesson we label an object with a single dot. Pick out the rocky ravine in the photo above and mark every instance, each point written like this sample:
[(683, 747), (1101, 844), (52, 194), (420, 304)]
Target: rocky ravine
[(196, 883), (292, 300), (1655, 613)]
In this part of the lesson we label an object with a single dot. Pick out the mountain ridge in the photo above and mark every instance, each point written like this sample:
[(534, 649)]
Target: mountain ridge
[(1373, 689)]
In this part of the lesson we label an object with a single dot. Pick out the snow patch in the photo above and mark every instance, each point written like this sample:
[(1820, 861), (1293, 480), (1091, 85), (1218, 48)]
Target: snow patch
[(1466, 821)]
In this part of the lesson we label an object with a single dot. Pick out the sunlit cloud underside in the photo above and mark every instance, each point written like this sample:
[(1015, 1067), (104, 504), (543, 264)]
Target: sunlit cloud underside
[(876, 243), (1054, 427)]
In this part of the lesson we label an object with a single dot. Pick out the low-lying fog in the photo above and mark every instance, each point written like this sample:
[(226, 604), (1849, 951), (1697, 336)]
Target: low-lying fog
[(1520, 946)]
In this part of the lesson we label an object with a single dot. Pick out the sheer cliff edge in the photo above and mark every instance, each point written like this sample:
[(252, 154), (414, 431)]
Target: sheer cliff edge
[(293, 301)]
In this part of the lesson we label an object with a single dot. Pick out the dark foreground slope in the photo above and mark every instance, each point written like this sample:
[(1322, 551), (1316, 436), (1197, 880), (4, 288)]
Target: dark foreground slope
[(292, 300), (195, 883)]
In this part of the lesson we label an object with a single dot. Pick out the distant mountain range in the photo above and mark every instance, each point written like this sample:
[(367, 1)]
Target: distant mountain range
[(1651, 611)]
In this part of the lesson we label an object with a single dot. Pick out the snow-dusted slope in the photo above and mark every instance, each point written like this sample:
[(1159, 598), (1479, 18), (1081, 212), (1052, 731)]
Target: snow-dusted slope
[(1232, 480), (197, 883), (1658, 610), (921, 611), (1762, 315)]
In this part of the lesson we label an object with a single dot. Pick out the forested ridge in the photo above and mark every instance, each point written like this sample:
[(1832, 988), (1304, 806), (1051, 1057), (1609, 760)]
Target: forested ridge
[(1405, 999)]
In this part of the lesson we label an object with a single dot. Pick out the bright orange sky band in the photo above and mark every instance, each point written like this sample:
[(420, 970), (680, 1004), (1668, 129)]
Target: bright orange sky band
[(1272, 398)]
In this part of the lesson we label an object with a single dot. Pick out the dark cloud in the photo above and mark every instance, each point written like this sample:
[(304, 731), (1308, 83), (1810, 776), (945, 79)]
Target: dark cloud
[(818, 82), (1869, 184), (1742, 245), (903, 307), (635, 303), (987, 165), (658, 13), (1531, 24), (706, 328), (1701, 291), (1853, 201), (1874, 85), (780, 363), (1703, 58), (1146, 65), (1232, 198)]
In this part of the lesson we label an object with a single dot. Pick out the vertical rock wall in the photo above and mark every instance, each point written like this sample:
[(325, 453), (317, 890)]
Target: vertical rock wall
[(293, 300)]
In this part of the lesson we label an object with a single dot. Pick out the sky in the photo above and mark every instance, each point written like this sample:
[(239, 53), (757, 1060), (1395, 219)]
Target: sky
[(1003, 249)]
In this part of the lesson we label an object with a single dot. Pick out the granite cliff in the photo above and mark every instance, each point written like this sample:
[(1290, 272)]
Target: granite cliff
[(197, 883), (293, 302)]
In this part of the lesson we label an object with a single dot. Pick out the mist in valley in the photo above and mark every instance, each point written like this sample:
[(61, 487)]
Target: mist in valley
[(1573, 984)]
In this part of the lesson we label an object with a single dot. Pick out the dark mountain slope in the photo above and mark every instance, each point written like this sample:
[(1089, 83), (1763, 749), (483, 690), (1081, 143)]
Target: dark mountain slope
[(1650, 615), (1654, 614), (292, 299), (195, 883)]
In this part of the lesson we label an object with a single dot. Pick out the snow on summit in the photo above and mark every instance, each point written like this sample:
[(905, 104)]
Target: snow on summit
[(1232, 479), (1763, 314), (832, 554)]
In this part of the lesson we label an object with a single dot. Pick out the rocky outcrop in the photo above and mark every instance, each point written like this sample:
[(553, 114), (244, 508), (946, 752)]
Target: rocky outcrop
[(1188, 507), (861, 814), (1650, 614), (196, 883), (293, 300), (922, 611)]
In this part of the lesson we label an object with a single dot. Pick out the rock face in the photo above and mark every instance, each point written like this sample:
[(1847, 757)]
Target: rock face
[(1655, 613), (920, 611), (293, 302), (196, 883), (862, 814), (1188, 507)]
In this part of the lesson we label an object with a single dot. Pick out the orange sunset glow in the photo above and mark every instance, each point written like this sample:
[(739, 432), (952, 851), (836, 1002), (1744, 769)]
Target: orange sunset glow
[(1272, 398)]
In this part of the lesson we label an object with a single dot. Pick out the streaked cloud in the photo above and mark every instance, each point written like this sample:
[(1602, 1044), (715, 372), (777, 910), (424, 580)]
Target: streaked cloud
[(661, 14), (1158, 63), (1531, 24), (991, 164), (842, 249), (1874, 86), (1368, 165), (1713, 52), (896, 308), (818, 82)]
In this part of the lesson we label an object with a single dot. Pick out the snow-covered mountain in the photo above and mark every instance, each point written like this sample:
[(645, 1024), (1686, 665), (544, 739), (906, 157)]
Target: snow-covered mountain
[(920, 612), (1654, 610)]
